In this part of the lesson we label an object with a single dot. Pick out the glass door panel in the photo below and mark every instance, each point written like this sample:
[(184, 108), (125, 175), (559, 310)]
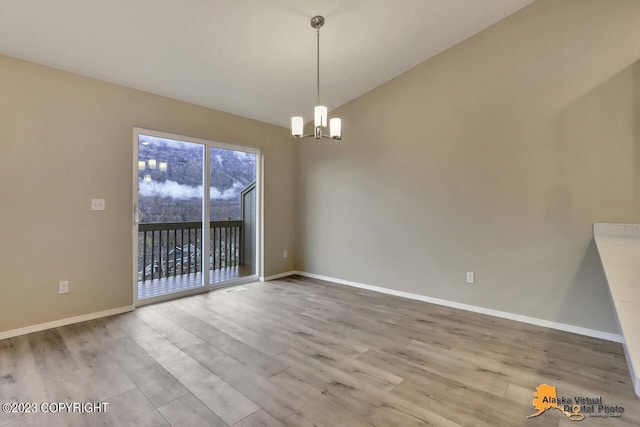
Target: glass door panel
[(170, 213), (232, 242)]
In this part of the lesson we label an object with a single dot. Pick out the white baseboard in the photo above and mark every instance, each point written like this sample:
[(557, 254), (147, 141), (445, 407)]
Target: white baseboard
[(278, 276), (482, 310), (64, 322)]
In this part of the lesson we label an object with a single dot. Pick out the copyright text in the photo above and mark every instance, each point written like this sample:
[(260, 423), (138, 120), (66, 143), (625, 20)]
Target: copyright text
[(54, 407)]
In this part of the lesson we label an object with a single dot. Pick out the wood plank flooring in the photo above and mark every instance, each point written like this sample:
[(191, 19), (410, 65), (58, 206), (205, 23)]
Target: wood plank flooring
[(302, 352)]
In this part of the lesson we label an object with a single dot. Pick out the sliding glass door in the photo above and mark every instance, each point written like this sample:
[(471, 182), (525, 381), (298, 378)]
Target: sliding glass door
[(179, 182)]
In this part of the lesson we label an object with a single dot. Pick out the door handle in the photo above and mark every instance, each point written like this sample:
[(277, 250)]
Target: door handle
[(137, 215)]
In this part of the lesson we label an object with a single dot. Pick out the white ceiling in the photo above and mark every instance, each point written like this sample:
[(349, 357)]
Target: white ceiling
[(255, 58)]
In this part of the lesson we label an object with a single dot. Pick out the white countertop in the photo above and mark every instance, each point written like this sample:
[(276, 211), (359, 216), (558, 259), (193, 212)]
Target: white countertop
[(619, 249)]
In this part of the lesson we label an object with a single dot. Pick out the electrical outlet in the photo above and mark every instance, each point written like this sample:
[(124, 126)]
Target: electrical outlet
[(98, 204), (285, 254), (63, 287), (471, 277)]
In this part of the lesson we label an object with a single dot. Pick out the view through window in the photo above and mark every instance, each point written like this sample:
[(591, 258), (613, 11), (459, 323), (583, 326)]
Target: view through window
[(170, 200)]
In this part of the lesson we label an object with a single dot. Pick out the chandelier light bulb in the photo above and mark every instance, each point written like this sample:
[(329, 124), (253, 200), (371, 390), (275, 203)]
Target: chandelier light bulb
[(297, 126), (320, 116), (335, 128)]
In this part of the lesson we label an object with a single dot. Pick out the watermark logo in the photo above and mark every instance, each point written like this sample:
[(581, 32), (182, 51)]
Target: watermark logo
[(576, 408)]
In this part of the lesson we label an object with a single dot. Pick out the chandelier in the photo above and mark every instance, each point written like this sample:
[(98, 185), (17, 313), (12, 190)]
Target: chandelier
[(319, 112)]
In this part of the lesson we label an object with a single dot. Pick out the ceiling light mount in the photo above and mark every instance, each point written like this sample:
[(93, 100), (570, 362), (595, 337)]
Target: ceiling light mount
[(317, 22), (320, 114)]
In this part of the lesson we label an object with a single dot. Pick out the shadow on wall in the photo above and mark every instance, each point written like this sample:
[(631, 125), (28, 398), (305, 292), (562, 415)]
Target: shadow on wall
[(592, 131), (588, 283)]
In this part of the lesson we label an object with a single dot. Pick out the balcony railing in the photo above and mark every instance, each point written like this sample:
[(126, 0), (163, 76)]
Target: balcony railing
[(172, 249)]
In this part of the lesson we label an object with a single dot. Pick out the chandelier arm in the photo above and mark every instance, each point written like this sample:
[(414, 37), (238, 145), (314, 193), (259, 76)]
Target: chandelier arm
[(302, 136)]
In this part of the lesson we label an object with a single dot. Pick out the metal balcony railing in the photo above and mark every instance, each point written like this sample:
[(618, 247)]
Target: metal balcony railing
[(172, 249)]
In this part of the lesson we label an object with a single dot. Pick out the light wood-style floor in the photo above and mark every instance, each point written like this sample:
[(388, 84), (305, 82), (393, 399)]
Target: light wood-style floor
[(301, 352)]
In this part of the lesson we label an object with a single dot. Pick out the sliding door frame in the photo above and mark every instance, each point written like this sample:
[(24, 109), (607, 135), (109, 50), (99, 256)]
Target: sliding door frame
[(208, 144)]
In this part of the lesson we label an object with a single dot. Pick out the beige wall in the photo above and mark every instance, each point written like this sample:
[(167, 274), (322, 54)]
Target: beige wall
[(65, 139), (496, 157)]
